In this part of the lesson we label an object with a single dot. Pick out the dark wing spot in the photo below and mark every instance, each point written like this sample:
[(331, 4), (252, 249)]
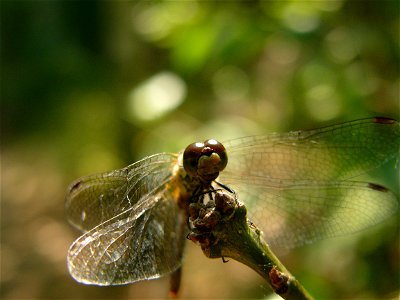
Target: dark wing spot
[(378, 187), (75, 186), (383, 120)]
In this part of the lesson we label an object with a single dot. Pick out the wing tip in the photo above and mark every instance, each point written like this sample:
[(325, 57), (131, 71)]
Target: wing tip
[(391, 202)]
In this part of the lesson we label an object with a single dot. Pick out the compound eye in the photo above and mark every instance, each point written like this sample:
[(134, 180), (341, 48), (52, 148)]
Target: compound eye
[(191, 157), (219, 149)]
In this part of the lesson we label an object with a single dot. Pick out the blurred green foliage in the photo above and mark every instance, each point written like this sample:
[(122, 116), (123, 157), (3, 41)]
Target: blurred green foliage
[(90, 86)]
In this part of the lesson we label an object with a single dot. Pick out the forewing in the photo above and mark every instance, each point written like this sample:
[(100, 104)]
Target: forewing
[(95, 199), (336, 152), (143, 242), (291, 182), (295, 213)]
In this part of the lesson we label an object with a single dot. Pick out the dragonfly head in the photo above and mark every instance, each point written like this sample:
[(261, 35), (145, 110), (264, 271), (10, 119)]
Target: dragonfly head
[(205, 160)]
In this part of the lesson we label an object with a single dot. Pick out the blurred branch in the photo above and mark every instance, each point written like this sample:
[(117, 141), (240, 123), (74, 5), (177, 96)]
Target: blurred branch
[(222, 230)]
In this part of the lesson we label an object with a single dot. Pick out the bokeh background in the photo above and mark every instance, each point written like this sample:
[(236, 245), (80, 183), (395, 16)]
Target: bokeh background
[(90, 86)]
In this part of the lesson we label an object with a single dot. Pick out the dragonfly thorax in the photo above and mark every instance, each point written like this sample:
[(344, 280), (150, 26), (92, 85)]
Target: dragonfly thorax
[(204, 161)]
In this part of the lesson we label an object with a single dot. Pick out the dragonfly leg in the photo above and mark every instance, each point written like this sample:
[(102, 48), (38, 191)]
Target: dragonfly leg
[(224, 260), (175, 283)]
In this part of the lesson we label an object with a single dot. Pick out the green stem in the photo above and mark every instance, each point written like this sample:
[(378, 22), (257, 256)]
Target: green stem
[(233, 237)]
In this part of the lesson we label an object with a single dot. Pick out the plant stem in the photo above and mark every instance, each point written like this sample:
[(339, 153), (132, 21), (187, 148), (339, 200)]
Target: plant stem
[(233, 237)]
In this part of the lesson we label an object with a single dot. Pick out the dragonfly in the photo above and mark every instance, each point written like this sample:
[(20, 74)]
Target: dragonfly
[(299, 187)]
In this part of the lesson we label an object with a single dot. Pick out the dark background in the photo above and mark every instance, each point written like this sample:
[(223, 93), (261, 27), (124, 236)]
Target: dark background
[(90, 86)]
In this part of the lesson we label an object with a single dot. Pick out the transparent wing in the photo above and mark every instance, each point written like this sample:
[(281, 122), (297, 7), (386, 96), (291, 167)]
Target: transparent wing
[(336, 152), (291, 182), (143, 242), (291, 214), (95, 199)]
